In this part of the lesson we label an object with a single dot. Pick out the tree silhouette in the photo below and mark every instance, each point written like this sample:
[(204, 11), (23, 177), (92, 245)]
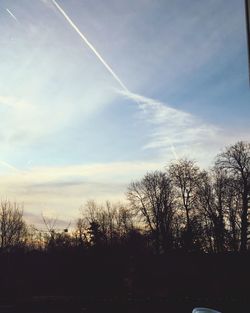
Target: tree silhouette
[(236, 159), (186, 176), (13, 229), (153, 199)]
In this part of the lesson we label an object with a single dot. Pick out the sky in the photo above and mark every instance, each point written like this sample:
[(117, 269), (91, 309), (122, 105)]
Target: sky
[(94, 94)]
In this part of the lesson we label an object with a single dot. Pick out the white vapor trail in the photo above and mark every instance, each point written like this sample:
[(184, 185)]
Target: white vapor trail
[(73, 25), (12, 15), (5, 164), (138, 99)]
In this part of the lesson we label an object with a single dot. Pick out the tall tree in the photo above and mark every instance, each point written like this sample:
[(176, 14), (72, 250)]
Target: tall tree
[(13, 229), (236, 159), (185, 175), (213, 200), (153, 199)]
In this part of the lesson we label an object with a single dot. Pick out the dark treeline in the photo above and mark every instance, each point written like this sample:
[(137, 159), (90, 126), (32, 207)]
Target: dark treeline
[(180, 227)]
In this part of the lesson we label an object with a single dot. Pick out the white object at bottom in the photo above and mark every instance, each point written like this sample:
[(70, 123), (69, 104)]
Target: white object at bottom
[(204, 310)]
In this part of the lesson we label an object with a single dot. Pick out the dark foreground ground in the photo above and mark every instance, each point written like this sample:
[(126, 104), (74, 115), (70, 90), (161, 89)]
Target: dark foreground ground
[(116, 281), (160, 305)]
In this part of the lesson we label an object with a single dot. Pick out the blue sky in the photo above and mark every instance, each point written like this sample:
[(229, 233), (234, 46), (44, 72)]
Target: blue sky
[(70, 133)]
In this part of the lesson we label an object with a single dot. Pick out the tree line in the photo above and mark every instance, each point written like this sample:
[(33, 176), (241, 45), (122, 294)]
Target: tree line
[(181, 208)]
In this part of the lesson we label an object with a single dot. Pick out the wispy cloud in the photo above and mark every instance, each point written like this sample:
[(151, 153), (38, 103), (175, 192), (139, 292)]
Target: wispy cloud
[(140, 100), (23, 121), (50, 216), (8, 166), (14, 103), (177, 131), (171, 128), (62, 190), (54, 99)]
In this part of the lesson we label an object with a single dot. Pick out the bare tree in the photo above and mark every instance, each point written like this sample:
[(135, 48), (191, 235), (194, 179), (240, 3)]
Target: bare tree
[(50, 233), (109, 222), (125, 220), (236, 159), (56, 238), (35, 238), (153, 199), (185, 175), (13, 229), (212, 193), (81, 232), (234, 205)]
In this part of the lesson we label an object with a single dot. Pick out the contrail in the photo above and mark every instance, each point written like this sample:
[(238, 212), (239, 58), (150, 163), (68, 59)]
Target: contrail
[(12, 15), (125, 90), (73, 25), (9, 166)]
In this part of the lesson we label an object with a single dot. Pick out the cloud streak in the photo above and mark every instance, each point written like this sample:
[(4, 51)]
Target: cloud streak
[(172, 128), (64, 189), (136, 98), (12, 15), (9, 166), (176, 131)]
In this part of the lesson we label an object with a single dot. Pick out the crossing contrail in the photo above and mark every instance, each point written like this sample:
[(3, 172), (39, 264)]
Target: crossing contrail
[(73, 25), (12, 15)]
